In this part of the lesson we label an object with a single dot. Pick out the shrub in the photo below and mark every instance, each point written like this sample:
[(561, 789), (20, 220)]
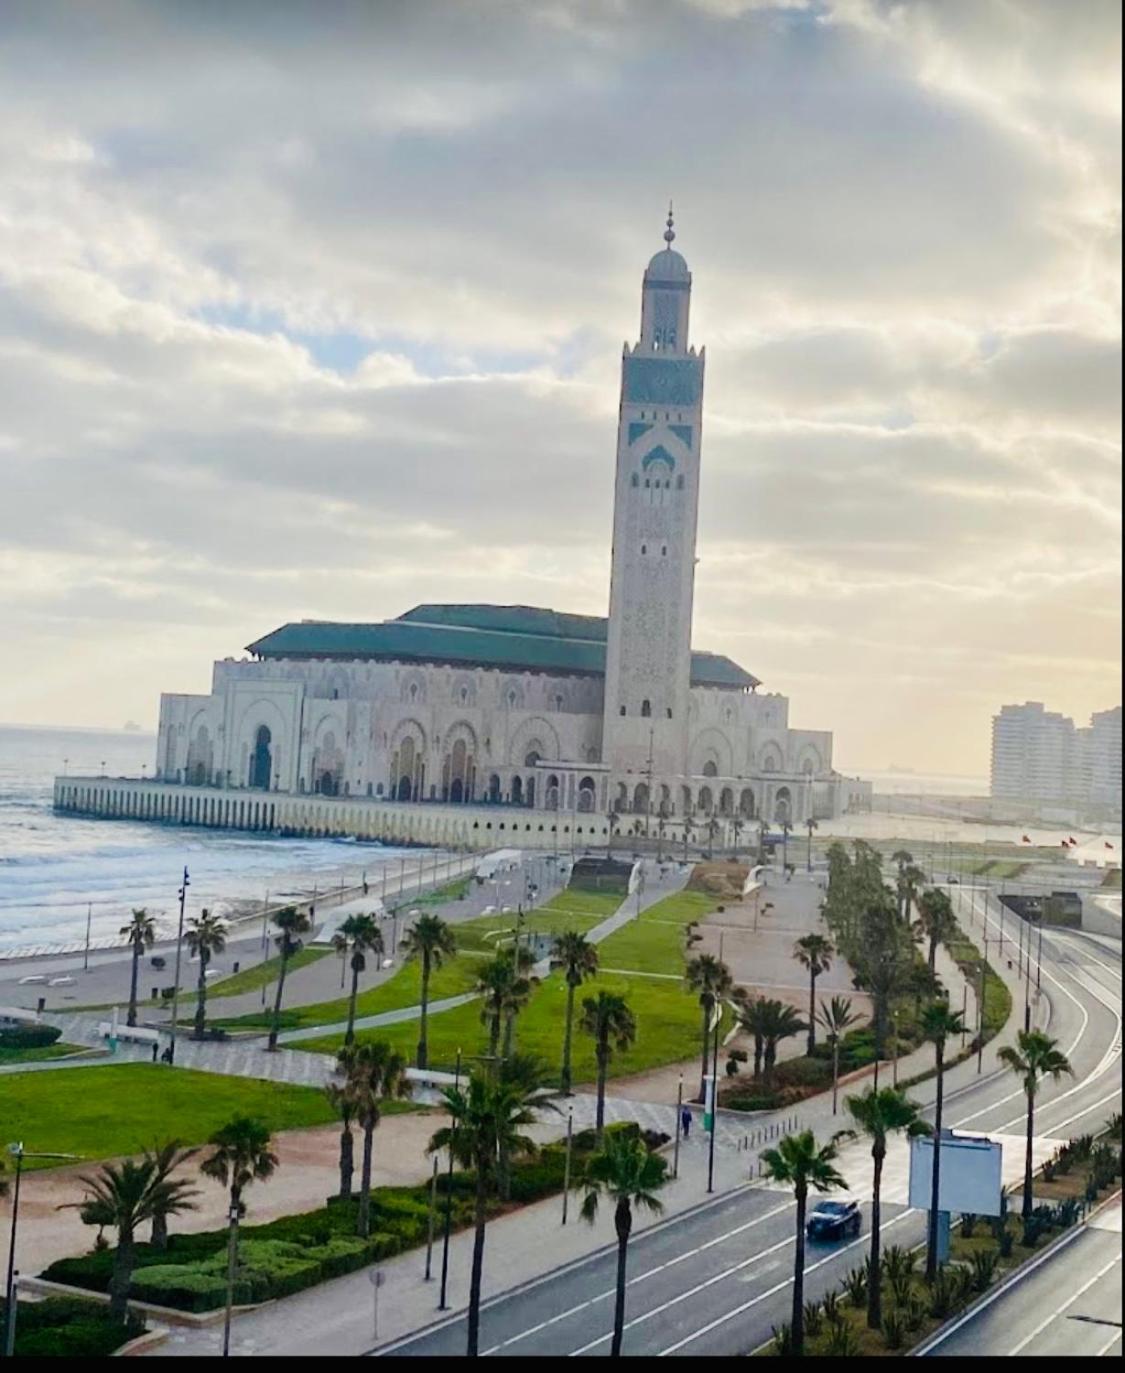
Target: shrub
[(968, 1225), (29, 1036), (984, 1268), (894, 1329), (855, 1285), (942, 1294), (803, 1072), (187, 1288), (897, 1262), (830, 1307), (842, 1342), (782, 1340), (914, 1312), (814, 1318)]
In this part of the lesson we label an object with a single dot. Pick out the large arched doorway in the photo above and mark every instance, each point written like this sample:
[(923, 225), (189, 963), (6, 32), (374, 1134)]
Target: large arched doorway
[(783, 805), (552, 792), (261, 760), (517, 790), (586, 795)]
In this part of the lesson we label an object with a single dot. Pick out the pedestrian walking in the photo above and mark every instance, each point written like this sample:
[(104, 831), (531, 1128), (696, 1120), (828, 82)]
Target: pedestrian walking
[(685, 1121), (155, 1049)]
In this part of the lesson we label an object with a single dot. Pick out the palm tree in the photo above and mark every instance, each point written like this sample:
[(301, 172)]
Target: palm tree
[(810, 825), (913, 879), (711, 980), (689, 825), (713, 828), (504, 992), (763, 830), (661, 830), (769, 1022), (836, 1018), (880, 1114), (140, 932), (754, 1020), (345, 1108), (579, 959), (607, 1019), (813, 952), (373, 1074), (166, 1158), (737, 825), (786, 831), (292, 923), (488, 1117), (938, 1024), (1035, 1058), (359, 935), (242, 1153), (126, 1195), (801, 1163), (936, 921), (903, 858), (431, 941), (523, 961), (626, 1174), (206, 935)]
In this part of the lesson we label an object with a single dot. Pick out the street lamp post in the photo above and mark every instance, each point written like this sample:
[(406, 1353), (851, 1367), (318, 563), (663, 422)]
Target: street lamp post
[(19, 1153), (714, 1098), (179, 952), (442, 1306)]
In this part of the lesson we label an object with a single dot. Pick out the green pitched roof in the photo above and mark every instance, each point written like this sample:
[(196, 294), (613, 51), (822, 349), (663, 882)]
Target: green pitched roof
[(518, 638)]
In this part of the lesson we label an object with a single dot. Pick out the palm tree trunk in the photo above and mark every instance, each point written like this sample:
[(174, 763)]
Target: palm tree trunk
[(875, 1278), (935, 1180), (599, 1115), (480, 1219), (131, 1018), (494, 1033), (121, 1277), (201, 998), (835, 1070), (812, 1014), (349, 1033), (1026, 1210), (347, 1161), (363, 1219), (623, 1221), (933, 951), (276, 1027), (797, 1321), (159, 1237), (759, 1046), (705, 1037), (509, 1030), (423, 1047), (567, 1031)]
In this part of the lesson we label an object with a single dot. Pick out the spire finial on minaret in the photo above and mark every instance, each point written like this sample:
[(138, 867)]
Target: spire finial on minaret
[(669, 232)]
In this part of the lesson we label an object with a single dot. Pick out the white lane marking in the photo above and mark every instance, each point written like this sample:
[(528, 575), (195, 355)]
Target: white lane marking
[(779, 1287), (1062, 1124), (1113, 1339), (1043, 1324), (642, 1277)]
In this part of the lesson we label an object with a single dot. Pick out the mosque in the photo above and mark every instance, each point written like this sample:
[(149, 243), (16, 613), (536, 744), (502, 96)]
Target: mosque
[(518, 706)]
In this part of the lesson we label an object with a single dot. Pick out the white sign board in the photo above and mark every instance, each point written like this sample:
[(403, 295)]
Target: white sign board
[(970, 1174)]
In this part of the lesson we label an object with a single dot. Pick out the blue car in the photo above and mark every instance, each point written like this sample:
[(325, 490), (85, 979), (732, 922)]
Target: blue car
[(834, 1220)]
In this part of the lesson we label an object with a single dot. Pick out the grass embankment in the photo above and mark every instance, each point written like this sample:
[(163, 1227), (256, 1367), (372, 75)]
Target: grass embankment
[(118, 1109), (998, 869), (667, 1015), (251, 979), (476, 940), (40, 1053)]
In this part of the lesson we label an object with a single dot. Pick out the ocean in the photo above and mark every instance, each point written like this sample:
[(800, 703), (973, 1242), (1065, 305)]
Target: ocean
[(53, 868)]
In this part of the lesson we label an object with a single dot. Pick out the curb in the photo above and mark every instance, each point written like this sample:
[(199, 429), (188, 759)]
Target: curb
[(168, 1314)]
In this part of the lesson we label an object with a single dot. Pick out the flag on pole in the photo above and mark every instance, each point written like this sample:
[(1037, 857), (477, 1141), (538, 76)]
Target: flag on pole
[(1026, 839), (1108, 844)]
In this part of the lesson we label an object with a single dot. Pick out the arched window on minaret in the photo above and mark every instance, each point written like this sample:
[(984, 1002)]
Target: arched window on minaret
[(646, 709)]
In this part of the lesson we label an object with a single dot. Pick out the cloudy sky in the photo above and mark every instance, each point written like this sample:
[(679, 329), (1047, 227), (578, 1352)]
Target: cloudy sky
[(316, 310)]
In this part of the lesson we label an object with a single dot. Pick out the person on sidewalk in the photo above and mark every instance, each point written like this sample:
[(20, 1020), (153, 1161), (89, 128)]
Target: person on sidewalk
[(685, 1121)]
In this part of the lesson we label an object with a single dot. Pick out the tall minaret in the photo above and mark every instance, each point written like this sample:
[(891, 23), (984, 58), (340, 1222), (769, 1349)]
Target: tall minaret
[(656, 502)]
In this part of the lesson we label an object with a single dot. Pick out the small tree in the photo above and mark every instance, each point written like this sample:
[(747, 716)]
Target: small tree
[(140, 934), (166, 1158), (814, 953), (626, 1174), (711, 980), (610, 1023), (292, 924), (836, 1018), (431, 941), (374, 1074), (579, 959), (357, 937), (801, 1163), (936, 921), (206, 935), (1035, 1058), (810, 825), (938, 1024), (345, 1108)]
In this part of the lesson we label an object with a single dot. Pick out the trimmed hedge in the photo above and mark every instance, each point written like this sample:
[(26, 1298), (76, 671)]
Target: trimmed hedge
[(29, 1036), (68, 1327), (296, 1252)]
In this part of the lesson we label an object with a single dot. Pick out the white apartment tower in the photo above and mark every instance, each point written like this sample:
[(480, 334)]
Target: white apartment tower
[(656, 505)]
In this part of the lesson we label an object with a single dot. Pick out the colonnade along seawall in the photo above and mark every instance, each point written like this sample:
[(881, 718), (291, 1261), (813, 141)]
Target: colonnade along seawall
[(448, 826)]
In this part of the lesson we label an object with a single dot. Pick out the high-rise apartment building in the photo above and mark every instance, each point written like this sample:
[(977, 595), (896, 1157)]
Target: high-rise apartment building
[(1039, 755)]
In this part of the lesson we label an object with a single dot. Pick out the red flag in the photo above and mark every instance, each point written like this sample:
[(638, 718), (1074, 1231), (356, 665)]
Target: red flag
[(1108, 844), (1064, 843), (1025, 840), (1074, 841)]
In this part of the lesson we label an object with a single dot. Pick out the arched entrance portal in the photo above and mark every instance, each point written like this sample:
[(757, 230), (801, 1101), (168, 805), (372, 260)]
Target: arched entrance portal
[(261, 760)]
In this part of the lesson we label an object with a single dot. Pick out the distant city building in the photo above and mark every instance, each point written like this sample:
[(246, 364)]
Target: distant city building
[(1039, 756)]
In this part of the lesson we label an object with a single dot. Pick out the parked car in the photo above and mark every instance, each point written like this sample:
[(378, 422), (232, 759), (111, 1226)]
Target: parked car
[(61, 982), (834, 1220), (214, 972), (158, 961), (33, 979)]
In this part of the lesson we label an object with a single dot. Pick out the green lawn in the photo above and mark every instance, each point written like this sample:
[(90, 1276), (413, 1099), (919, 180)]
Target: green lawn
[(668, 1016), (38, 1055), (250, 979), (568, 910), (118, 1109)]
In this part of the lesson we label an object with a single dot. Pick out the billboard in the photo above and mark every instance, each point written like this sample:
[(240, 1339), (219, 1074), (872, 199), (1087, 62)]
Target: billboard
[(970, 1174)]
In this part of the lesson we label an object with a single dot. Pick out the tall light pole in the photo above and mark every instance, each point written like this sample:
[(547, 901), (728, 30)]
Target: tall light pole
[(179, 951), (449, 1200), (19, 1153)]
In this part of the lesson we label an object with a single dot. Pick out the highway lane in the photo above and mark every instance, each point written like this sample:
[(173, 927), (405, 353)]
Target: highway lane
[(1067, 1304), (715, 1282)]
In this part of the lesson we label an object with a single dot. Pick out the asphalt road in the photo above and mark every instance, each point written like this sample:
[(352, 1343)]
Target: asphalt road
[(1068, 1305), (716, 1280)]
